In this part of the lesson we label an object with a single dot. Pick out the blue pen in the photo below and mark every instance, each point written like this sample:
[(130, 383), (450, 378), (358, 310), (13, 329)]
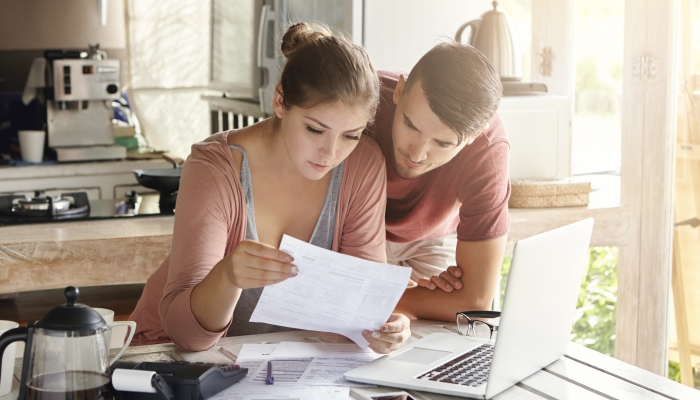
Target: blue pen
[(270, 380)]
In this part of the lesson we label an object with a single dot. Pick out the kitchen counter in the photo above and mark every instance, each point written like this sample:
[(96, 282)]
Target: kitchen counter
[(128, 250), (82, 253)]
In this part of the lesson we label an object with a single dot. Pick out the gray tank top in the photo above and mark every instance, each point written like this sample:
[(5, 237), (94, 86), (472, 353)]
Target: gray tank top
[(322, 236)]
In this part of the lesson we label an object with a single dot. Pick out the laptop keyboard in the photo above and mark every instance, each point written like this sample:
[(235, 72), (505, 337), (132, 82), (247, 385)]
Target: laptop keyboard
[(470, 369)]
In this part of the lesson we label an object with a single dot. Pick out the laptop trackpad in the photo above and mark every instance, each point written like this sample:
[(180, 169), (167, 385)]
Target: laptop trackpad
[(419, 355)]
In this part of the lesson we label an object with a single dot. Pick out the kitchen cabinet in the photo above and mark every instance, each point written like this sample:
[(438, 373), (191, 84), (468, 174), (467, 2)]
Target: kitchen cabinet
[(539, 132), (101, 180)]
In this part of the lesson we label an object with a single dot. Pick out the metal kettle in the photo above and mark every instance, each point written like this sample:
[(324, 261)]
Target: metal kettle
[(494, 36), (66, 354)]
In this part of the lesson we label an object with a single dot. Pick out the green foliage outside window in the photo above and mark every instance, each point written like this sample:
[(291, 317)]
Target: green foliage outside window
[(674, 373), (595, 311)]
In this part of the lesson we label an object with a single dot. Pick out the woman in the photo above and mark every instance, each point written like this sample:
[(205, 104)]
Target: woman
[(306, 172)]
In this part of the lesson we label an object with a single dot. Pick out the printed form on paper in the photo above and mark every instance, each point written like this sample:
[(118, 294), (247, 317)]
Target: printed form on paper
[(333, 293)]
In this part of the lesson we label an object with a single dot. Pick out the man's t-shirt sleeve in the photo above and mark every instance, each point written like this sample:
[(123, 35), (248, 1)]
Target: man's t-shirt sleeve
[(484, 195)]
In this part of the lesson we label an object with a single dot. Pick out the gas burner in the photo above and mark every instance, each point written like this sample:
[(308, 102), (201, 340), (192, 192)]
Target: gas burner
[(129, 206), (39, 207)]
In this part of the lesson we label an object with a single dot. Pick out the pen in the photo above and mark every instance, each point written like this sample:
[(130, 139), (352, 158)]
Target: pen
[(270, 380), (287, 376)]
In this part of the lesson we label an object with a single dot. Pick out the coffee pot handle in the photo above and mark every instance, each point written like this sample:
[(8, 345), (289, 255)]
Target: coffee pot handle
[(11, 336), (25, 334), (474, 25), (127, 342)]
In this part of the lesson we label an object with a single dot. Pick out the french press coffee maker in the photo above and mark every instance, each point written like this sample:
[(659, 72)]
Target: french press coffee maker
[(66, 357)]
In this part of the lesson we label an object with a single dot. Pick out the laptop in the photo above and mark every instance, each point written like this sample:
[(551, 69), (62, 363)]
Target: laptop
[(538, 312)]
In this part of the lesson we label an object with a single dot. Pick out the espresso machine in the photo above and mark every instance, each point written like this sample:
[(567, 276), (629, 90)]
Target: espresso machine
[(80, 88)]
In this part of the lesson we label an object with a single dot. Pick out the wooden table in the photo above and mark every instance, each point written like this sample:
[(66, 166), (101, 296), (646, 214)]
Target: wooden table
[(580, 374)]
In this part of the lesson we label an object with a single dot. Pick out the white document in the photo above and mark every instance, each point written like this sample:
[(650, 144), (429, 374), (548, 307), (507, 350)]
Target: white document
[(287, 370), (333, 293), (317, 364), (254, 350), (253, 357), (330, 361), (333, 393), (242, 391), (304, 349), (330, 370)]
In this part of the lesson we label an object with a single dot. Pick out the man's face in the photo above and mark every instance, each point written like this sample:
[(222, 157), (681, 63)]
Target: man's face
[(421, 141)]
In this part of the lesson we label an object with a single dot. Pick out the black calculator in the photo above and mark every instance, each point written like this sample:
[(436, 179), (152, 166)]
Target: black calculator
[(186, 380)]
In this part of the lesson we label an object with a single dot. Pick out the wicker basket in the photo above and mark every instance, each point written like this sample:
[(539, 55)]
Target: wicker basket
[(540, 194)]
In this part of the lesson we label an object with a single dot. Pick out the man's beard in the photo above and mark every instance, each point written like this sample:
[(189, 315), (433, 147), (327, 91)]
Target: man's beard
[(403, 170)]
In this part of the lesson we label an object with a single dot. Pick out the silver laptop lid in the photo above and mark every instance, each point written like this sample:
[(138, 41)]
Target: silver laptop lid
[(540, 303)]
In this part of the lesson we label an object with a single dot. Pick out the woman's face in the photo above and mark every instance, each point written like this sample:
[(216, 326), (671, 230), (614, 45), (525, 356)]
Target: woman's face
[(319, 138)]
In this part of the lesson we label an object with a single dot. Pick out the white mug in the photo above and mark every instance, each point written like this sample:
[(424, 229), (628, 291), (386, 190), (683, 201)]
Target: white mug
[(8, 360), (108, 316), (31, 145)]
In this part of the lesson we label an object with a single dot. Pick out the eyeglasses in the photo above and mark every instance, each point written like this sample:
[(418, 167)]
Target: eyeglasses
[(468, 325)]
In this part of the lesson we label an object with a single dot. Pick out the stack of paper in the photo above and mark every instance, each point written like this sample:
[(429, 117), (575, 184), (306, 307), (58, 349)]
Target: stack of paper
[(244, 392), (301, 370)]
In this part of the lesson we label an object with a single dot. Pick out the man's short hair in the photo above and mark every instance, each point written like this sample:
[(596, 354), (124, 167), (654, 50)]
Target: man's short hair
[(462, 86)]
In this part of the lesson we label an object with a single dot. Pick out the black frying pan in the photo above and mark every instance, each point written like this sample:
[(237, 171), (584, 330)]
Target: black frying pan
[(165, 180)]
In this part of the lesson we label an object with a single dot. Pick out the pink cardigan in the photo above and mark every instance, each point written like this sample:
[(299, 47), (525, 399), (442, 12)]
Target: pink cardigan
[(211, 220)]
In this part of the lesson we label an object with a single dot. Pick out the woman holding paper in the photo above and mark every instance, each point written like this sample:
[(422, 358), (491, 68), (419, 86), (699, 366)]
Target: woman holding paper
[(306, 172)]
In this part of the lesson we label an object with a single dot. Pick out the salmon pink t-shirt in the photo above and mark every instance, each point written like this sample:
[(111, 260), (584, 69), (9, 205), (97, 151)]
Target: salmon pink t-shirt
[(469, 193)]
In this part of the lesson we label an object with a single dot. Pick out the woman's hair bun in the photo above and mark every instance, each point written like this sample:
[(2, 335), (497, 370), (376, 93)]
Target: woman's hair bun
[(300, 34)]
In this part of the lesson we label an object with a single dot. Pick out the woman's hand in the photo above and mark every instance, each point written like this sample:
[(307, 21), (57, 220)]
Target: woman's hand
[(254, 264), (392, 335)]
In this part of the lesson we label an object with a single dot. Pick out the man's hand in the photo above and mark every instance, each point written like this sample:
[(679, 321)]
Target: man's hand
[(479, 271), (391, 336), (448, 280)]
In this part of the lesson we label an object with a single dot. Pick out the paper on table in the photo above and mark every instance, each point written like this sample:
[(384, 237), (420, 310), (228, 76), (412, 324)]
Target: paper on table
[(313, 363), (330, 370), (304, 349), (330, 361), (255, 350), (333, 293), (244, 391), (333, 393), (253, 356)]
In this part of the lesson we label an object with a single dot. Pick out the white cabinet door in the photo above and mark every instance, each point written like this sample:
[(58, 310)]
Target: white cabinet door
[(539, 132)]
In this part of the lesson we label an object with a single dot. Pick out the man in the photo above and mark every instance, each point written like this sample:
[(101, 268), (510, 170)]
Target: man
[(447, 168)]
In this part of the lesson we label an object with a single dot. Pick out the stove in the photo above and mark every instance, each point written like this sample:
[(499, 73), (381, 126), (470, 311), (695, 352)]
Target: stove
[(75, 206)]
